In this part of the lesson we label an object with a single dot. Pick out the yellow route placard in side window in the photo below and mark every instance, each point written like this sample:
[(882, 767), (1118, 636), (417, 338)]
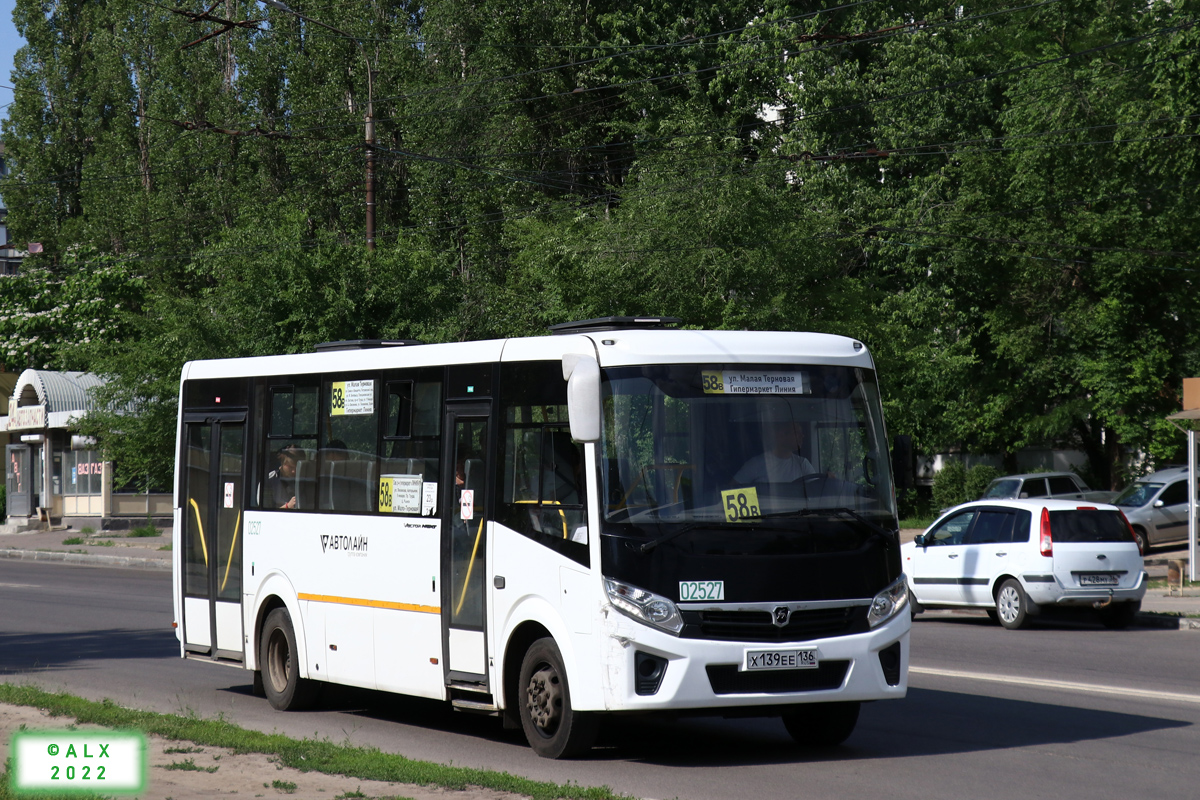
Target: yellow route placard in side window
[(401, 494), (740, 504), (385, 495), (352, 398)]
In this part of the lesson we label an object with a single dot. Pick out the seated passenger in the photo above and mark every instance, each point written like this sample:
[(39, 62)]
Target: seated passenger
[(281, 481)]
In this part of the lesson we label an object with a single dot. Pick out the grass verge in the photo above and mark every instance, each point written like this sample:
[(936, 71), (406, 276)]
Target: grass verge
[(305, 754), (1160, 584)]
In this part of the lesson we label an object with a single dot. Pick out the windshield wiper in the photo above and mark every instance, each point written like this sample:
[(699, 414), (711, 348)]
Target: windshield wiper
[(876, 528), (646, 547)]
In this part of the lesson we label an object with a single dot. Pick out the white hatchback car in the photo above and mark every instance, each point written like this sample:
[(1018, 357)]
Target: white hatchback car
[(1016, 557)]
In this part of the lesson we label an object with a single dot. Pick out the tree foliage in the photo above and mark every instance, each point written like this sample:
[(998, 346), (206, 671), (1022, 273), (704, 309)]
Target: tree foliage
[(1000, 200)]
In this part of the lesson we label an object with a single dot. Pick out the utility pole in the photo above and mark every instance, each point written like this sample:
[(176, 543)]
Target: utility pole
[(370, 145)]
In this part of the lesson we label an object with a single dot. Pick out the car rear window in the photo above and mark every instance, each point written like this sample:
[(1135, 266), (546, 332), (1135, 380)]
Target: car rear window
[(1034, 487), (999, 526), (1062, 484), (1088, 525)]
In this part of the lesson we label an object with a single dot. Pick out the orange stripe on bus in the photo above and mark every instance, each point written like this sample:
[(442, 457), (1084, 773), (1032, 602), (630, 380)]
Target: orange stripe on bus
[(358, 601)]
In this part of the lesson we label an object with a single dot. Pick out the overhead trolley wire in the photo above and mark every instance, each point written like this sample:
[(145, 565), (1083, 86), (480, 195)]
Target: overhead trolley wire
[(868, 36)]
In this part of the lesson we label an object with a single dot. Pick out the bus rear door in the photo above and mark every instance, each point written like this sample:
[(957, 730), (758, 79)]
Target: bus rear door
[(213, 483)]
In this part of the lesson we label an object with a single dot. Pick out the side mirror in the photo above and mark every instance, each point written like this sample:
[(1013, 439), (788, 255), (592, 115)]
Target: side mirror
[(919, 541), (582, 374), (1158, 503)]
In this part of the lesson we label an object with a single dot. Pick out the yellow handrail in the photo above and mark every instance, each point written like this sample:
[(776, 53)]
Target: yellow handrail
[(561, 513), (229, 561), (200, 529), (470, 565)]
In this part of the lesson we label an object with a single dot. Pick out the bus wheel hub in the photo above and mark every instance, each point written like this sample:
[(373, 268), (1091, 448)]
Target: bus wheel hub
[(545, 698)]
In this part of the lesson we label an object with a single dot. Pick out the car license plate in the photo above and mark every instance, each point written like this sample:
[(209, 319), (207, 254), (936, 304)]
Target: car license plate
[(1097, 579), (756, 660)]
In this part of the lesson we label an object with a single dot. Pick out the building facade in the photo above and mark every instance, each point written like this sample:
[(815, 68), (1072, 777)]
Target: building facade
[(54, 474)]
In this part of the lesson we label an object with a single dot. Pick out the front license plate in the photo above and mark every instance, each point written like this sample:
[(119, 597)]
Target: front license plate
[(756, 660), (1086, 579)]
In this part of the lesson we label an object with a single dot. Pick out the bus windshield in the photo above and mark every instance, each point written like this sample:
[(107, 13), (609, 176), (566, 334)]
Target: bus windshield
[(725, 443)]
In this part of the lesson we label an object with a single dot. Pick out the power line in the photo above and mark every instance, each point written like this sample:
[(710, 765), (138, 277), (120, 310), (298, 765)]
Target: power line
[(836, 39)]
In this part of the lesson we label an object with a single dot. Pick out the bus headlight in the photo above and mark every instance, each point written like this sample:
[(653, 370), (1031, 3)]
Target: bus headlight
[(647, 607), (888, 603)]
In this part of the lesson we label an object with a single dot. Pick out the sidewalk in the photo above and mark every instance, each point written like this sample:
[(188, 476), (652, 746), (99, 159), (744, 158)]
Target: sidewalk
[(137, 553), (1157, 601)]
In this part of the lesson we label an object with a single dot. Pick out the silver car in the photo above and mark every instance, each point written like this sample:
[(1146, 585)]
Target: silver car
[(1157, 507), (1058, 485)]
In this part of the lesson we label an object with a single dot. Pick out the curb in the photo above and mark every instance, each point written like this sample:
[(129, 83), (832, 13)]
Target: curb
[(128, 562), (1144, 619), (1149, 619)]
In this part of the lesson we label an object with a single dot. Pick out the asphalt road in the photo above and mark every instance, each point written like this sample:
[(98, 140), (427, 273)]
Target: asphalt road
[(1059, 711)]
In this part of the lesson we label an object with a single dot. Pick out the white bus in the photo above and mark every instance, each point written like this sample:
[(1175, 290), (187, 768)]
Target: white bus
[(620, 518)]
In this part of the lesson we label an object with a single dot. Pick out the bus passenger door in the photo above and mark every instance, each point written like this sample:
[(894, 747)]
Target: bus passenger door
[(464, 545), (214, 452)]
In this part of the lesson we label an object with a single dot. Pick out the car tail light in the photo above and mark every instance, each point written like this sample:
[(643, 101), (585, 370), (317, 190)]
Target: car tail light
[(1047, 543), (1085, 508), (1132, 535)]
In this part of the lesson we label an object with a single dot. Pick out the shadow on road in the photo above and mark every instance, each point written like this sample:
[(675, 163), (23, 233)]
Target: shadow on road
[(40, 652), (927, 723)]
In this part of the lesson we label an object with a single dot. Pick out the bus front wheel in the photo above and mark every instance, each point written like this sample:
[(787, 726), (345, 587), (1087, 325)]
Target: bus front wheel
[(553, 728), (278, 660)]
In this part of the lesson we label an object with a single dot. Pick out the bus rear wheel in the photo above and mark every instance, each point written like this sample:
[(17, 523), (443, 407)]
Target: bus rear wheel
[(278, 660), (553, 728), (821, 724)]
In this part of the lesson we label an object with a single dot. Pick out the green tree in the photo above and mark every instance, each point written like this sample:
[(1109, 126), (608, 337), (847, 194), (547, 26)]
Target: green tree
[(999, 200), (46, 317)]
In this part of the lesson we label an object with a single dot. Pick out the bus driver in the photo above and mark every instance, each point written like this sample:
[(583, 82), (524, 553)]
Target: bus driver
[(782, 463)]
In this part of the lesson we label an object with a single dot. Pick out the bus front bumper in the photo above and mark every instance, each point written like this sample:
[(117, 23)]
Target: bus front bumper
[(706, 674)]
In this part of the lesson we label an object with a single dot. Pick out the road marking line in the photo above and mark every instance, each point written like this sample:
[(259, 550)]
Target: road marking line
[(19, 586), (1069, 686)]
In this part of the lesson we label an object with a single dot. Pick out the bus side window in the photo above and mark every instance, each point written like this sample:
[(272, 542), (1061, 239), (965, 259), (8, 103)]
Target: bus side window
[(399, 410), (347, 474), (543, 493), (288, 466), (411, 443)]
